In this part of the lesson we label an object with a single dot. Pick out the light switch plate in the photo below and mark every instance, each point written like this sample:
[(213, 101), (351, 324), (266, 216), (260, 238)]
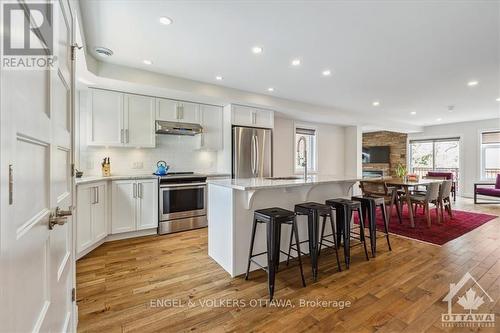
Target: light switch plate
[(137, 165)]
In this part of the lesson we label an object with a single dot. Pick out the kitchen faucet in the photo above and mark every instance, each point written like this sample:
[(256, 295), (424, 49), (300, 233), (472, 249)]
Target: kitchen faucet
[(302, 161)]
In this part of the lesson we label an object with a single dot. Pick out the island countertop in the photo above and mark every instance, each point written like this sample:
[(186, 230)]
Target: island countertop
[(245, 184)]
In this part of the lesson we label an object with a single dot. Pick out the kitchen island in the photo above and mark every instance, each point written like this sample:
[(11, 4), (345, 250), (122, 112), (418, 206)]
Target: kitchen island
[(231, 203)]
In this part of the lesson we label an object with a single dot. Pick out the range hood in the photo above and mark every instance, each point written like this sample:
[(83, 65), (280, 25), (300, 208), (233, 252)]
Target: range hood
[(175, 128)]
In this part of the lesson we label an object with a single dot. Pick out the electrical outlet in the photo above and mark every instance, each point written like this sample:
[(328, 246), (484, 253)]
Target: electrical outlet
[(137, 165)]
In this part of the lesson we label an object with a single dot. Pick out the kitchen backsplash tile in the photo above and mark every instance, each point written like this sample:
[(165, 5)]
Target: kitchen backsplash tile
[(180, 152)]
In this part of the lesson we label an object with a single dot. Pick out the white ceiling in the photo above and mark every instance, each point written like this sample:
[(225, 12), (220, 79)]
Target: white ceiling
[(409, 55)]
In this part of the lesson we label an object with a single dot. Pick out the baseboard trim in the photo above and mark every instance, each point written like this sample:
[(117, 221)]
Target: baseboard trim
[(110, 238)]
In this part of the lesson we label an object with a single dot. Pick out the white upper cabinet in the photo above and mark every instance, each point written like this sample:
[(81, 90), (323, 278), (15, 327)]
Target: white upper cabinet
[(105, 118), (189, 112), (139, 121), (121, 120), (170, 110), (166, 109), (253, 117), (211, 121)]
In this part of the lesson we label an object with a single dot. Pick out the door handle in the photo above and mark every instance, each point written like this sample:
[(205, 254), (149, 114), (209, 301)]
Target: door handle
[(59, 217)]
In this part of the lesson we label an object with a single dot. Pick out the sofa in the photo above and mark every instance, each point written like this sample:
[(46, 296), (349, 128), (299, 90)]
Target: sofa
[(494, 192)]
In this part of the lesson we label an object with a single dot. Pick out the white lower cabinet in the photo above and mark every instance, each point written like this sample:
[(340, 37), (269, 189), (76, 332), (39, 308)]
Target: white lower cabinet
[(91, 215), (134, 205)]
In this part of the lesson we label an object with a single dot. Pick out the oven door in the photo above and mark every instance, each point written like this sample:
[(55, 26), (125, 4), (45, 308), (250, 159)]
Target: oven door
[(182, 200)]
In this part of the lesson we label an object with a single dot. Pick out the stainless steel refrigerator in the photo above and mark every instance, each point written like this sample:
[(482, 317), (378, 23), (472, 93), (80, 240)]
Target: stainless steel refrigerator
[(252, 152)]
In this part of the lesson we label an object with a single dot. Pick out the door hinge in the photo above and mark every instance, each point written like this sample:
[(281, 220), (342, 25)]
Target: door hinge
[(11, 185), (73, 50), (73, 294)]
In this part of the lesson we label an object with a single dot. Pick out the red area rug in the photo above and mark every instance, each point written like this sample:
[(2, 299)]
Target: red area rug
[(461, 223)]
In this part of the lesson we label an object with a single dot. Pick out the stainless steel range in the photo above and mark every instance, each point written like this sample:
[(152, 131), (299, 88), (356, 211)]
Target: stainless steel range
[(182, 202)]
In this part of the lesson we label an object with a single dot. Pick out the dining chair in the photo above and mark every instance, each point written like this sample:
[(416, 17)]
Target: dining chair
[(380, 189), (444, 201), (425, 199)]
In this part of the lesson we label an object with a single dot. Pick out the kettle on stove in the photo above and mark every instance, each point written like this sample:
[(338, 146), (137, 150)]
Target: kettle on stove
[(161, 168)]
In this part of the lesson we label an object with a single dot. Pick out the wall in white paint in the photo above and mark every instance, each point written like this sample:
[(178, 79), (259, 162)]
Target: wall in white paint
[(470, 152), (330, 143)]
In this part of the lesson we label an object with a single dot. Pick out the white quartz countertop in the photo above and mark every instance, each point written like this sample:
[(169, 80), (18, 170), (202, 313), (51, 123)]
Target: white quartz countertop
[(92, 179), (244, 184)]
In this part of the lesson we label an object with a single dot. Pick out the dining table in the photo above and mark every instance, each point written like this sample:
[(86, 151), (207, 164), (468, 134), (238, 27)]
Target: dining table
[(406, 184)]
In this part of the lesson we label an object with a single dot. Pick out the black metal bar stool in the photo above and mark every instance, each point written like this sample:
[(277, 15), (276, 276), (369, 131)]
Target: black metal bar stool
[(344, 209), (273, 218), (314, 210), (369, 206)]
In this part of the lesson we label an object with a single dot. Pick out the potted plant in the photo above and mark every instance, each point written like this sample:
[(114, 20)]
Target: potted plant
[(400, 171)]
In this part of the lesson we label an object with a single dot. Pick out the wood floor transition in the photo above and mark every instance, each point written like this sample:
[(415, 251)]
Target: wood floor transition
[(126, 286)]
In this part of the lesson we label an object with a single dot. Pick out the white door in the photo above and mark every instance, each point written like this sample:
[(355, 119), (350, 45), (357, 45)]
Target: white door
[(85, 200), (140, 121), (99, 225), (147, 204), (105, 126), (36, 263), (166, 109), (123, 197)]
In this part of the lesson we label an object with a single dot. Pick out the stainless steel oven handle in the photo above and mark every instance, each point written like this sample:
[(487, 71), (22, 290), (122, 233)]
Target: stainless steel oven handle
[(183, 185)]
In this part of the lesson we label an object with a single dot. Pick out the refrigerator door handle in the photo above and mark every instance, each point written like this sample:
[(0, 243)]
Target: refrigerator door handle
[(253, 158), (257, 158)]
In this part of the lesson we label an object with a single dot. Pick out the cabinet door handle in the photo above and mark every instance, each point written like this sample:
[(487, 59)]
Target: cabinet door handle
[(121, 135), (126, 136), (140, 190), (135, 190), (96, 194)]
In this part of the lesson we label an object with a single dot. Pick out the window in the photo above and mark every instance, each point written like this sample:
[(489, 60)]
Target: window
[(310, 143), (435, 155), (490, 154)]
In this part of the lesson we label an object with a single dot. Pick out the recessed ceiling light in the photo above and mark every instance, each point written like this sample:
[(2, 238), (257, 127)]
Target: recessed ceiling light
[(166, 20), (147, 62), (326, 72), (498, 99), (472, 83), (295, 62), (413, 113), (270, 89), (103, 51), (376, 103), (257, 49), (218, 78), (439, 119)]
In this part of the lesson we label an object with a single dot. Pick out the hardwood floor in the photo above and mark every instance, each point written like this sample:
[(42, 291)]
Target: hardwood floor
[(121, 284)]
